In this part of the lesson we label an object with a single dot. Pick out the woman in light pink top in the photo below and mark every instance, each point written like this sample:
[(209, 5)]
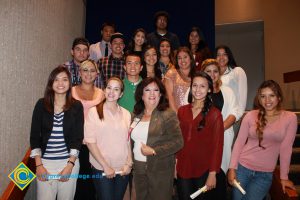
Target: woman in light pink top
[(87, 92), (106, 135), (89, 95), (265, 134)]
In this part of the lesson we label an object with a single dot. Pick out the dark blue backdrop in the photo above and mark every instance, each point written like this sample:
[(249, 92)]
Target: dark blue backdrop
[(131, 14)]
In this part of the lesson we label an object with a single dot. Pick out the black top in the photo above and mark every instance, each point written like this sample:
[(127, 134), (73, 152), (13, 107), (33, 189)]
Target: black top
[(42, 123), (218, 100)]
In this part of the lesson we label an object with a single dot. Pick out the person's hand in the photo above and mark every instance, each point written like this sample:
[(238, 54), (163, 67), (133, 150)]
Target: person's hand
[(126, 170), (231, 176), (109, 172), (66, 172), (42, 173), (146, 150), (211, 181), (287, 183)]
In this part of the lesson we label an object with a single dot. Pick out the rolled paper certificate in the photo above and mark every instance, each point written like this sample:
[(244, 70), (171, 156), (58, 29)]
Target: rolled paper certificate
[(238, 186), (117, 172), (198, 192)]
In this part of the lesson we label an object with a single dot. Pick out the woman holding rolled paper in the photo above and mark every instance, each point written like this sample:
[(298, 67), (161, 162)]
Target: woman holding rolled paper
[(106, 135), (203, 131), (156, 138), (265, 133)]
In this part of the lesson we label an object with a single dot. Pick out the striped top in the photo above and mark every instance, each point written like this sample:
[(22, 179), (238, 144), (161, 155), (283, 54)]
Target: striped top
[(56, 147)]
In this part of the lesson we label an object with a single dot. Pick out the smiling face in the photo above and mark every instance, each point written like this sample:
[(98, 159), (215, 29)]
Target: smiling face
[(139, 38), (214, 73), (183, 60), (194, 38), (88, 73), (200, 88), (268, 99), (113, 90), (165, 48), (117, 46), (222, 57), (150, 57), (61, 83), (133, 65), (151, 95)]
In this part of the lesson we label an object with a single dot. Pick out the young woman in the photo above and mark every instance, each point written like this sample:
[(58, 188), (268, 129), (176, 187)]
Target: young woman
[(106, 135), (138, 42), (232, 76), (166, 60), (177, 80), (198, 46), (203, 131), (224, 99), (89, 95), (265, 134), (156, 138), (150, 63), (56, 137)]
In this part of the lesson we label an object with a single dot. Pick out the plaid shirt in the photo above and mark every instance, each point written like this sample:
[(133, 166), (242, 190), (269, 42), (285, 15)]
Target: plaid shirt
[(108, 67), (74, 70)]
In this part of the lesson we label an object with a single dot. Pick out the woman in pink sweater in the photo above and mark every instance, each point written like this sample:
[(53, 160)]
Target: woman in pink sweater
[(265, 134)]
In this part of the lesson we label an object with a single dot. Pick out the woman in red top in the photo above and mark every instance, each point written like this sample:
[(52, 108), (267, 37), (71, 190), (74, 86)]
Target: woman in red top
[(203, 131)]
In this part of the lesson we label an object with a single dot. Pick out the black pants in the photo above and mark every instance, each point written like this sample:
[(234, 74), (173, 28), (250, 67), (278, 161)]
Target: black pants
[(186, 187), (85, 189)]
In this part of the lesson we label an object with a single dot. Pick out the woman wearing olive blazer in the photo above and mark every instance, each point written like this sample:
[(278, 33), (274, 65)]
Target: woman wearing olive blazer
[(156, 138)]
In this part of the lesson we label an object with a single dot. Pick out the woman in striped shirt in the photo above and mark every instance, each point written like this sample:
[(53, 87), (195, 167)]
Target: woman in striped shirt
[(56, 137)]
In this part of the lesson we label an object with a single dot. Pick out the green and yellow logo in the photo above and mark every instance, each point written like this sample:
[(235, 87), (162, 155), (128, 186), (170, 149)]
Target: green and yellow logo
[(22, 176)]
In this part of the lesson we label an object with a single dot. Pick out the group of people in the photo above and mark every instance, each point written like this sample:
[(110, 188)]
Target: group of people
[(134, 120)]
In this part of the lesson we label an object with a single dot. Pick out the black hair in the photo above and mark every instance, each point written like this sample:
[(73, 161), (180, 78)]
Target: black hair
[(80, 40), (157, 71), (231, 61), (139, 106), (208, 99)]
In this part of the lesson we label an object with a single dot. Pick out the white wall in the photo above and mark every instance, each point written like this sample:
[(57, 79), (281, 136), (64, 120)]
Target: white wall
[(35, 36)]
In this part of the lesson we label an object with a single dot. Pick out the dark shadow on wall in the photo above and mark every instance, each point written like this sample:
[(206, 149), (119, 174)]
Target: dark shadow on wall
[(132, 14)]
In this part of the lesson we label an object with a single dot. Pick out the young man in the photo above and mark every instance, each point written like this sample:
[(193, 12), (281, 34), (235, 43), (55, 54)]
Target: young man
[(161, 22), (113, 64), (132, 67), (80, 53), (103, 48)]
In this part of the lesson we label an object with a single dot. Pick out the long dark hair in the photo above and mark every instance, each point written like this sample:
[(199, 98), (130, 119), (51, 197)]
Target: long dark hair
[(208, 99), (139, 105), (261, 117), (189, 52), (131, 44), (231, 61), (202, 44), (171, 55), (157, 70), (49, 92), (99, 107)]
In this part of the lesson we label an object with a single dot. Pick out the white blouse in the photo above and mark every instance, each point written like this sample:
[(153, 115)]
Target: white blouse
[(140, 135), (236, 79)]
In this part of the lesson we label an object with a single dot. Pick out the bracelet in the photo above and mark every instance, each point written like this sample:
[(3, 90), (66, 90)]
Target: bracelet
[(69, 161), (39, 165)]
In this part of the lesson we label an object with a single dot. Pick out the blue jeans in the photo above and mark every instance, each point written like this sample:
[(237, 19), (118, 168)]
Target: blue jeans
[(109, 189), (255, 183)]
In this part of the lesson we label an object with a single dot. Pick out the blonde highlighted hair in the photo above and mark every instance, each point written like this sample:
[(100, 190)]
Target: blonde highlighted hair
[(211, 61)]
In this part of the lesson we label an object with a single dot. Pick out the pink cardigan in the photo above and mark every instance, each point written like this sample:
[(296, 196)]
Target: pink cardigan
[(278, 139)]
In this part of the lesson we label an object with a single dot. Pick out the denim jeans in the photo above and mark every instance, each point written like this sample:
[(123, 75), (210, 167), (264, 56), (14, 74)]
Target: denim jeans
[(109, 189), (255, 183)]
